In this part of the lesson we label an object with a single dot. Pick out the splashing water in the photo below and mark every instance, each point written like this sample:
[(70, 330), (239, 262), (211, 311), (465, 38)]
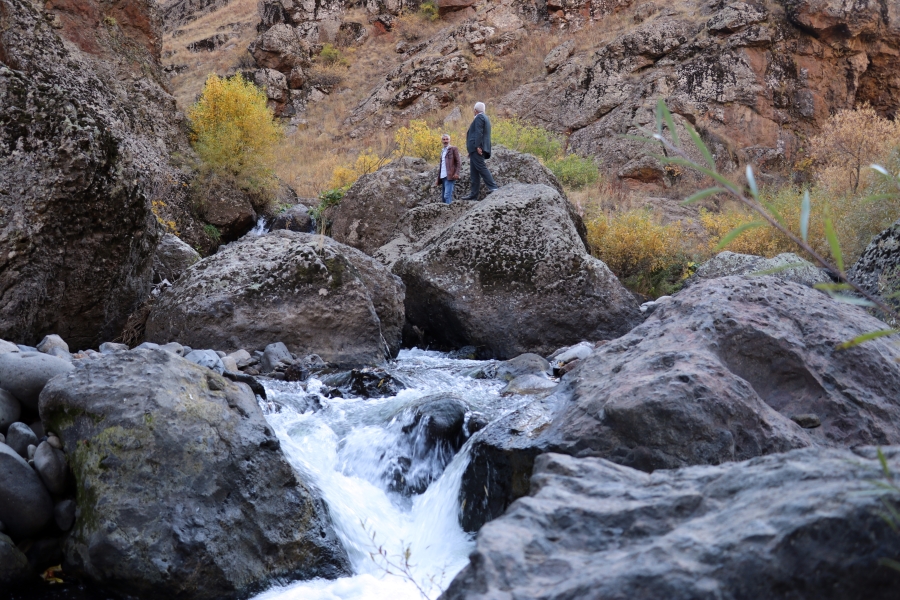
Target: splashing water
[(260, 228), (346, 449)]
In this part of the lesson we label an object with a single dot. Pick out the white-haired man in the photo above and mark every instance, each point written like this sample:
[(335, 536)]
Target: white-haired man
[(478, 145)]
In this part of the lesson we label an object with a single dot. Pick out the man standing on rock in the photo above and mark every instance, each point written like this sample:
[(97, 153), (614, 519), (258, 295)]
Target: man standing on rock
[(478, 145), (449, 169)]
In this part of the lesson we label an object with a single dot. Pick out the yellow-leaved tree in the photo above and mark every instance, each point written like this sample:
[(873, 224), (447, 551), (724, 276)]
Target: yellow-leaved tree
[(235, 133)]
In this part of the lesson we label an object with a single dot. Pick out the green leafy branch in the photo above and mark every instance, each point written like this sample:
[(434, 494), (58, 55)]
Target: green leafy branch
[(675, 154)]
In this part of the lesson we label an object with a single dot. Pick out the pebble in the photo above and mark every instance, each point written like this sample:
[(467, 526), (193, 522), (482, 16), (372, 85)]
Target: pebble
[(30, 451), (55, 442), (50, 464)]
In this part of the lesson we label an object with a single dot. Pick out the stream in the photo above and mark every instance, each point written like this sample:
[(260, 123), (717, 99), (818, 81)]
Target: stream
[(349, 449)]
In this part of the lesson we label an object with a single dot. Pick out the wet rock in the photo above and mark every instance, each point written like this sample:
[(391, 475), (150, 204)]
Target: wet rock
[(678, 390), (295, 218), (24, 374), (800, 524), (25, 504), (368, 382), (189, 489), (64, 514), (528, 385), (13, 564), (319, 296), (274, 356), (729, 263), (524, 364), (10, 410), (172, 258), (579, 351), (19, 436), (496, 255), (51, 465), (442, 419)]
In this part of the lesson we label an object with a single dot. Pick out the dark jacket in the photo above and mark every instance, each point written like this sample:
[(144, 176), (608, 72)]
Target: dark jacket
[(452, 160), (479, 135)]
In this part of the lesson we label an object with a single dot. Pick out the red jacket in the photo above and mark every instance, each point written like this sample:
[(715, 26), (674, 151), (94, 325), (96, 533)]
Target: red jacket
[(452, 164)]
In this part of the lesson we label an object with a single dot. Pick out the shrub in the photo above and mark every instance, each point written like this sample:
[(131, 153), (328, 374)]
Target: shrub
[(486, 66), (850, 141), (574, 171), (331, 56), (346, 175), (648, 257), (428, 10), (212, 232), (418, 140), (522, 137), (234, 133)]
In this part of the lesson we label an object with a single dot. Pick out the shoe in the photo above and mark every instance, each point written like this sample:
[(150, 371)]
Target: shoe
[(493, 190), (469, 198)]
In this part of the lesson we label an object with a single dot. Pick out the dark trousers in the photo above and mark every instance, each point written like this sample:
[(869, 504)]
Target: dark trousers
[(478, 171)]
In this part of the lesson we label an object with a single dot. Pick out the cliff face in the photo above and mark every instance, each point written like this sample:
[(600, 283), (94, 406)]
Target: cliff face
[(86, 130)]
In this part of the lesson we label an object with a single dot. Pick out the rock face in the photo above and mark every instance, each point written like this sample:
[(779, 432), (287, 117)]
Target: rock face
[(310, 292), (715, 374), (172, 258), (877, 270), (182, 487), (754, 78), (795, 525), (88, 151), (512, 276), (730, 263)]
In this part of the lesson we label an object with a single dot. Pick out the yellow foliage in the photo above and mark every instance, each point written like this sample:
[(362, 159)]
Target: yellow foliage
[(761, 241), (632, 242), (418, 140), (158, 207), (486, 66), (233, 131), (850, 141), (346, 175)]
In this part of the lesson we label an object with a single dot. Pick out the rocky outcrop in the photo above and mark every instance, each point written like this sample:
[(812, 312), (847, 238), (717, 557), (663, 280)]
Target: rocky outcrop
[(310, 292), (374, 211), (512, 275), (182, 486), (295, 218), (729, 263), (878, 268), (727, 370), (753, 78), (801, 524), (172, 258)]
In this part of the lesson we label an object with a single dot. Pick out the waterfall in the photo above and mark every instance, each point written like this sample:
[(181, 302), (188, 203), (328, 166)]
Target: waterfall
[(346, 451)]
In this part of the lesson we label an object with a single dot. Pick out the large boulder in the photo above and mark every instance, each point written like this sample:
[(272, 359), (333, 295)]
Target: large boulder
[(805, 524), (511, 276), (183, 490), (310, 292), (878, 268), (91, 145), (24, 374), (172, 258), (727, 370), (730, 263), (280, 48), (25, 504), (506, 166)]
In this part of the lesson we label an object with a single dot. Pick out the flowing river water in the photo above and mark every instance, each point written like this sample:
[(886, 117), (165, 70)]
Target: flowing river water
[(348, 449)]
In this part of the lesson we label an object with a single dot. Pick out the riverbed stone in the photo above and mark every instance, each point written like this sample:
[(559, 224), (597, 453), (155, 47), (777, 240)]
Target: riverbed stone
[(524, 364), (25, 374), (25, 504), (50, 464), (108, 347), (189, 492), (206, 358), (52, 342), (274, 355), (315, 295), (13, 564), (528, 385), (10, 410), (19, 436), (804, 524)]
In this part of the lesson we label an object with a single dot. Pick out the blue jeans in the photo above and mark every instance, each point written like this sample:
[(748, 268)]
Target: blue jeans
[(478, 171), (447, 194)]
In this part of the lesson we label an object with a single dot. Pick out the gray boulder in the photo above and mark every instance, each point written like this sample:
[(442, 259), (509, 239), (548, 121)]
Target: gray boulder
[(804, 524), (10, 410), (25, 504), (312, 293), (52, 342), (730, 263), (14, 566), (18, 437), (50, 463), (172, 258), (206, 358), (715, 374), (274, 355), (878, 268), (418, 228), (24, 374), (512, 275), (189, 491), (524, 364), (295, 218)]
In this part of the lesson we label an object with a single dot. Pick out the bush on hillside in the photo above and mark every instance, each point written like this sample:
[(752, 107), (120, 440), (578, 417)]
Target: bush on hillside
[(235, 134), (574, 171), (418, 140), (428, 10), (346, 175), (331, 56), (518, 135)]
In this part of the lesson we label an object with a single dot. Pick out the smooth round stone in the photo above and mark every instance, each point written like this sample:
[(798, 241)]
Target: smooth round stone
[(110, 347), (25, 503), (25, 374), (50, 464), (64, 514), (55, 442), (51, 342), (206, 358), (174, 348), (10, 410), (30, 451), (528, 384), (19, 436)]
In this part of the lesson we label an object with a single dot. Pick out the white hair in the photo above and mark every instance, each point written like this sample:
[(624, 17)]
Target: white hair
[(479, 106)]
